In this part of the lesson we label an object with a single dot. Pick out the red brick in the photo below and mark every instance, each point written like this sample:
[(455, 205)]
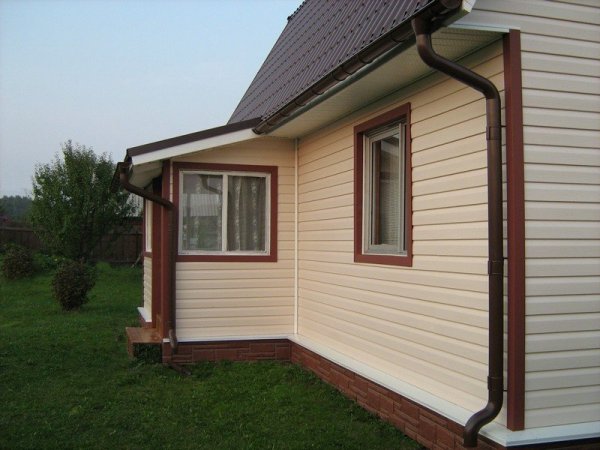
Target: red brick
[(410, 431), (427, 429), (444, 438), (201, 354), (408, 420), (228, 354), (184, 349), (386, 405), (373, 398), (261, 347), (430, 415), (410, 409), (282, 352), (397, 422)]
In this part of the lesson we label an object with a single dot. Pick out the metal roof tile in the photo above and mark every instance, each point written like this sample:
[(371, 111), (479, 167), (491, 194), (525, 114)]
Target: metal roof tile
[(319, 37)]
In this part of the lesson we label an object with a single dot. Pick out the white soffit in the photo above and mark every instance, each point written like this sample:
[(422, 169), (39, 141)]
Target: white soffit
[(196, 146), (391, 76), (143, 174)]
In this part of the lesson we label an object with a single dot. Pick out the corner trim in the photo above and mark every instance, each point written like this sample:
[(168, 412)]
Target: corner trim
[(515, 231)]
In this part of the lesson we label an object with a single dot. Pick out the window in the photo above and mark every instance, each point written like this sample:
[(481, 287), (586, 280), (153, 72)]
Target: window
[(383, 232), (227, 212)]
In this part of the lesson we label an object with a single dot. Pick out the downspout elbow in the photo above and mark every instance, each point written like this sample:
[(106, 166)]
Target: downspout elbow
[(123, 169)]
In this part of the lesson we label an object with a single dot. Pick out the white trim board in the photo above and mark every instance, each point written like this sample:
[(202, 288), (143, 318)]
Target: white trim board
[(196, 146), (145, 314)]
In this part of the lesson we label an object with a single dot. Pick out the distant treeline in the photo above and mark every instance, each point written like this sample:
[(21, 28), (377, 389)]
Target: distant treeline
[(15, 208)]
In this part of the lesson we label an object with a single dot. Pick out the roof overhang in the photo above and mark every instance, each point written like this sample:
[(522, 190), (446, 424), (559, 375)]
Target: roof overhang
[(146, 160), (388, 74)]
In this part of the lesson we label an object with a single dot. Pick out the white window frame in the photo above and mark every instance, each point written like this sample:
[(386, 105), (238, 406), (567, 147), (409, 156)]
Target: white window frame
[(372, 136), (224, 212)]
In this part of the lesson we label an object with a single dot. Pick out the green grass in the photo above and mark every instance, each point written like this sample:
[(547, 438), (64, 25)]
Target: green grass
[(66, 382)]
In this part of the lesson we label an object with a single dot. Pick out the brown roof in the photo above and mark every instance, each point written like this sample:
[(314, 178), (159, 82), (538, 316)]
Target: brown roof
[(318, 38)]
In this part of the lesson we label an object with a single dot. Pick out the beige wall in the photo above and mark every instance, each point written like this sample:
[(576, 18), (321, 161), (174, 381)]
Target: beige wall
[(148, 285), (561, 99), (229, 299), (425, 325)]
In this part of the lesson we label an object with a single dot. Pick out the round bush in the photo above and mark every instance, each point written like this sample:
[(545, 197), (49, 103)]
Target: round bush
[(17, 262), (72, 283)]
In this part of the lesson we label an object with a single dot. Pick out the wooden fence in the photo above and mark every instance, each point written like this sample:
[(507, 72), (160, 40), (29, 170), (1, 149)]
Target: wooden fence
[(120, 248)]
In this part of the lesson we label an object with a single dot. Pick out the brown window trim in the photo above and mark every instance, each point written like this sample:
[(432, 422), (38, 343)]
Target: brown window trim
[(272, 170), (402, 113)]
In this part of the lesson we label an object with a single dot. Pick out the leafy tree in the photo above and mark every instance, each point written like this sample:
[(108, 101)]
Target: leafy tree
[(73, 206)]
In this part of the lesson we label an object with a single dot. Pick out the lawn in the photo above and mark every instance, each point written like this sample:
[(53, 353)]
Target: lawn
[(66, 382)]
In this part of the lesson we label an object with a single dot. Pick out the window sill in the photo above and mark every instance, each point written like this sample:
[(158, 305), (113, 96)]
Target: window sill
[(227, 258), (390, 260)]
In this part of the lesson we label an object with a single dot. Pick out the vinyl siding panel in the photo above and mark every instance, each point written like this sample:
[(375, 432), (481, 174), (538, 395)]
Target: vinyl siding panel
[(425, 324), (148, 284), (237, 299), (561, 107)]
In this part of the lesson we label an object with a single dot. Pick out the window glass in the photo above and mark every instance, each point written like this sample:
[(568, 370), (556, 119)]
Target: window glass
[(246, 213), (202, 204), (384, 199), (216, 223)]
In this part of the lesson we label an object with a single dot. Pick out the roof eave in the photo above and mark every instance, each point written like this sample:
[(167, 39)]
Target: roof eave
[(178, 141), (370, 57)]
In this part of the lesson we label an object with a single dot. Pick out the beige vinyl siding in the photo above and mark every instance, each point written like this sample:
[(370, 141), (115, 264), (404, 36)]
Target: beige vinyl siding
[(148, 285), (248, 299), (427, 324), (561, 107)]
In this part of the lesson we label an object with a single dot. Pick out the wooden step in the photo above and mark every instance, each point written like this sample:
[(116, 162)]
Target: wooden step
[(141, 336)]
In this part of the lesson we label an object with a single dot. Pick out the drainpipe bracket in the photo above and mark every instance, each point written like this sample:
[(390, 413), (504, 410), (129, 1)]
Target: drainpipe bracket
[(495, 384), (496, 267), (493, 133)]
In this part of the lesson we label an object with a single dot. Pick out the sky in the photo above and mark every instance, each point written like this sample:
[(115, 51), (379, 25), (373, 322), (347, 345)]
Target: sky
[(113, 74)]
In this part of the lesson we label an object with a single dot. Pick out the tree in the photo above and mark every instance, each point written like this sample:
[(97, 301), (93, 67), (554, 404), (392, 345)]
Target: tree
[(15, 207), (73, 206)]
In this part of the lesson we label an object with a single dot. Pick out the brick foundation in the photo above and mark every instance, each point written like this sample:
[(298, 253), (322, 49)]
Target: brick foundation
[(428, 428), (421, 424), (188, 353)]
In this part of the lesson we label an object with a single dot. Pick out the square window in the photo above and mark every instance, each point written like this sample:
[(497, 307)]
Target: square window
[(226, 211), (382, 189)]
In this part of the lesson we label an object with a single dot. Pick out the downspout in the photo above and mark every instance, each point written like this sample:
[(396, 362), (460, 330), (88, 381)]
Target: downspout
[(123, 169), (495, 381)]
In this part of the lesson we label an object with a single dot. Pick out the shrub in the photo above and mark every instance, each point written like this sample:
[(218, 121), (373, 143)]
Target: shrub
[(47, 263), (17, 262), (71, 284)]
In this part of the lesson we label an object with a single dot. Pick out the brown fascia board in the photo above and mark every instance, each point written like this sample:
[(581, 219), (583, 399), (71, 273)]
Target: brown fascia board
[(192, 137), (387, 44)]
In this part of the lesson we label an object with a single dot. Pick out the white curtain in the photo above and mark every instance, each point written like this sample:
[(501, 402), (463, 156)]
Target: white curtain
[(246, 211)]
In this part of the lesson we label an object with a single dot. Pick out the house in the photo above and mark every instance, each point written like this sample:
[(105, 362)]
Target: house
[(407, 202)]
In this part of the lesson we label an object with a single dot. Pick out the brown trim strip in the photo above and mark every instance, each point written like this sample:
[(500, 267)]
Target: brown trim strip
[(400, 113), (166, 271), (272, 170), (192, 137), (516, 230), (156, 254)]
